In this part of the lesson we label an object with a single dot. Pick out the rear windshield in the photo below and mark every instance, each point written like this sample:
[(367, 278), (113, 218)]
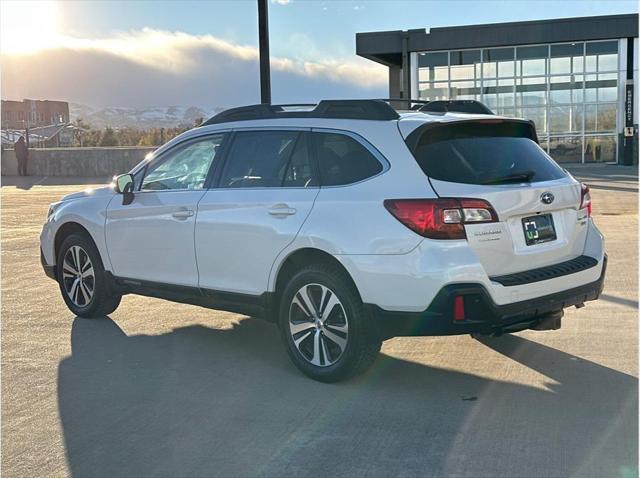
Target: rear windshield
[(483, 153)]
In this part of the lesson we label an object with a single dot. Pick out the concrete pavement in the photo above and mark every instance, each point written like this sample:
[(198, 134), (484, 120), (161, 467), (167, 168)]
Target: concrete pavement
[(163, 389)]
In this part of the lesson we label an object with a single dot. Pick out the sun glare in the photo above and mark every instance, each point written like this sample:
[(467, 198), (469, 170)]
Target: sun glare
[(27, 26)]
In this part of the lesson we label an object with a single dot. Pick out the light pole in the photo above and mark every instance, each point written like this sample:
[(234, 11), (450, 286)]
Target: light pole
[(263, 41)]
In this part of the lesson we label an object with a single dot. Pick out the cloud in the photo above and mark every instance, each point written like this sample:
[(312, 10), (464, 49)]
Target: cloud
[(153, 67), (281, 2)]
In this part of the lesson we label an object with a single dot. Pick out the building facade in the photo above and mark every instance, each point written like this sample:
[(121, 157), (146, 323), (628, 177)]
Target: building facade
[(18, 115), (574, 78)]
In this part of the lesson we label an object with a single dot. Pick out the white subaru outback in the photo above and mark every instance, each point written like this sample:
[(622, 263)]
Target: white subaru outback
[(346, 224)]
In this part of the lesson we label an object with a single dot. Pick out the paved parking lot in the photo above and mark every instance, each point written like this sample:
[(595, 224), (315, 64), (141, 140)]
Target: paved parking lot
[(165, 389)]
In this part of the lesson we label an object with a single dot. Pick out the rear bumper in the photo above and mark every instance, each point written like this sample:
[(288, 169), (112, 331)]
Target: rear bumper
[(482, 314)]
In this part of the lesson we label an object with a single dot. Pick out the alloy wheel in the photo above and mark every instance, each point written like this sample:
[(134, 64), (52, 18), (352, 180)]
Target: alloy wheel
[(318, 324), (78, 276)]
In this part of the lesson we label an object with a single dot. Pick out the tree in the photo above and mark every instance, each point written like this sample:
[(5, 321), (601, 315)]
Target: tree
[(108, 137)]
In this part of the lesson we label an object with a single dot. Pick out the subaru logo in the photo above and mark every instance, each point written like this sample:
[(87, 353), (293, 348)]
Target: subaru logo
[(547, 198)]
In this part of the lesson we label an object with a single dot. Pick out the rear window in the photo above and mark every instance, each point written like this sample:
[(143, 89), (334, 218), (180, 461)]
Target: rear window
[(482, 153)]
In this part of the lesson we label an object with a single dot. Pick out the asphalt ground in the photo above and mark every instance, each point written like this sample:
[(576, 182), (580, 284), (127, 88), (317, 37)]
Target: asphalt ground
[(170, 390)]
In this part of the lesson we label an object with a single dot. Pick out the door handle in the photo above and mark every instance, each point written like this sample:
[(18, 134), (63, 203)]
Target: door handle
[(182, 214), (282, 210)]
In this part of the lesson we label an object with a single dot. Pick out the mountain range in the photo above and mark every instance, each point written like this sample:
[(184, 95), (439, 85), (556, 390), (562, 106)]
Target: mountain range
[(141, 118)]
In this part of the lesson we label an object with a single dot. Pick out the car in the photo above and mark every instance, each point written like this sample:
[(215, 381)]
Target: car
[(345, 223)]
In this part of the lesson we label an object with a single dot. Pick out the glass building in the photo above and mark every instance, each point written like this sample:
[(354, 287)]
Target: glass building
[(571, 77)]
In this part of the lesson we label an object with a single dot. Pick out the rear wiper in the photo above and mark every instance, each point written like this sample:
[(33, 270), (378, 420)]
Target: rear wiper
[(520, 176)]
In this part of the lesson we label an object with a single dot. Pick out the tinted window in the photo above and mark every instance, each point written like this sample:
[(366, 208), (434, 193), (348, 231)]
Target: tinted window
[(477, 153), (184, 167), (259, 159), (343, 160)]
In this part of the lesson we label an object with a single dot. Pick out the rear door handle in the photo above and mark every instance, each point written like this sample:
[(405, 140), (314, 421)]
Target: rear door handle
[(182, 214), (282, 210)]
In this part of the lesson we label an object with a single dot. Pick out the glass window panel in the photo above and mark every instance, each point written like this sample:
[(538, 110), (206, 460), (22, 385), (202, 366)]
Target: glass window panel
[(532, 52), (507, 82), (591, 63), (576, 118), (602, 47), (608, 94), (489, 70), (537, 115), (433, 59), (489, 83), (543, 141), (533, 67), (560, 66), (590, 115), (464, 57), (508, 112), (566, 149), (463, 72), (578, 64), (606, 117), (497, 54), (560, 96), (566, 50), (590, 91), (490, 100), (600, 149), (559, 119), (531, 94), (608, 76), (506, 68), (608, 62)]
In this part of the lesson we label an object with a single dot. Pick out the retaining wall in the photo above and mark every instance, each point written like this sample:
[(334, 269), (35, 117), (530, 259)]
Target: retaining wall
[(78, 162)]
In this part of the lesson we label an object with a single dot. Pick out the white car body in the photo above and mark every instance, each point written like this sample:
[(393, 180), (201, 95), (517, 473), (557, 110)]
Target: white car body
[(236, 240)]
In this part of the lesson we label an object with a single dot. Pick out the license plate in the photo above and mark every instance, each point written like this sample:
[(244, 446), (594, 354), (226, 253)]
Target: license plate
[(538, 229)]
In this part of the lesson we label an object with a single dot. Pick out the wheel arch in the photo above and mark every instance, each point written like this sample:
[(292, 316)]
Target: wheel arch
[(300, 258), (65, 230)]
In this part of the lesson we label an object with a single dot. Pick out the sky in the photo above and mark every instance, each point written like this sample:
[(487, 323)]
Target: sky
[(204, 53)]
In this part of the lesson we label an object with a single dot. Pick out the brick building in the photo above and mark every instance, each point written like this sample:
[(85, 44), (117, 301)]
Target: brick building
[(33, 113)]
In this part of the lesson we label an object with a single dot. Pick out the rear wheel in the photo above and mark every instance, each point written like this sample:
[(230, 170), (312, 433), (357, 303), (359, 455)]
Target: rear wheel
[(324, 327), (82, 280)]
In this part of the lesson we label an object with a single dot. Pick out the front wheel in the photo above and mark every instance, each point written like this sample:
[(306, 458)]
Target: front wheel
[(324, 327), (82, 279)]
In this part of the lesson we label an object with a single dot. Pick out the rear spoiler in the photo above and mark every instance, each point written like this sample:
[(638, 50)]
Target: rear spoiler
[(415, 136)]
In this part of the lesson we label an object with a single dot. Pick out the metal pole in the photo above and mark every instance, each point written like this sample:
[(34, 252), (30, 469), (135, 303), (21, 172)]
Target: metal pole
[(263, 36)]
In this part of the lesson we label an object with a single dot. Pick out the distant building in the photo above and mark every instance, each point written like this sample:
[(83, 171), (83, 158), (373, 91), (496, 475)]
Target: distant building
[(576, 78), (18, 115)]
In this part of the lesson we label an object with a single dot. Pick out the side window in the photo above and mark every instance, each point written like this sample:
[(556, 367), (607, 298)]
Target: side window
[(185, 167), (259, 159), (343, 160)]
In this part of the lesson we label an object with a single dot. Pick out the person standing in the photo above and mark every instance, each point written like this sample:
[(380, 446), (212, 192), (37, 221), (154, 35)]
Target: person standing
[(22, 155)]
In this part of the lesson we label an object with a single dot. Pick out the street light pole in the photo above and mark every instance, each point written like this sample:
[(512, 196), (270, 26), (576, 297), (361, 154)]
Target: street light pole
[(263, 40)]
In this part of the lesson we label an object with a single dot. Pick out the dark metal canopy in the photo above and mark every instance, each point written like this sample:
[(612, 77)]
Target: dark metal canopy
[(386, 47)]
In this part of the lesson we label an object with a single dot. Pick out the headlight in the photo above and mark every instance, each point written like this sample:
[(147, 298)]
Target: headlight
[(52, 210)]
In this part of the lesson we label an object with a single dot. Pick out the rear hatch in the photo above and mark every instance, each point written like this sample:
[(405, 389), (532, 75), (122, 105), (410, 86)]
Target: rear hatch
[(498, 160)]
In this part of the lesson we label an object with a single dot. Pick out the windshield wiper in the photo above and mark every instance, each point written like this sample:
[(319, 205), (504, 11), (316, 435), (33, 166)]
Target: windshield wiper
[(521, 176)]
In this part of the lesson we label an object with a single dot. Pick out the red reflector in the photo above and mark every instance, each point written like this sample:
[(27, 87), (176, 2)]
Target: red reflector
[(585, 199), (458, 308)]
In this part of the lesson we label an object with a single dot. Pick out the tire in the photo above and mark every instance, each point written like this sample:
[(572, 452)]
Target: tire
[(335, 347), (89, 296)]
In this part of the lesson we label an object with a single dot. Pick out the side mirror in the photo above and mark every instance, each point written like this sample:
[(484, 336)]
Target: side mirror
[(123, 184)]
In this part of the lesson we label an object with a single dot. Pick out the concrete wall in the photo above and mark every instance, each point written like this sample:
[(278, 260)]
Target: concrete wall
[(78, 162)]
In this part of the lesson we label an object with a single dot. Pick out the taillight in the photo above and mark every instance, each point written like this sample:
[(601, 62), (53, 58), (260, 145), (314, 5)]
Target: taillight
[(442, 218), (585, 199)]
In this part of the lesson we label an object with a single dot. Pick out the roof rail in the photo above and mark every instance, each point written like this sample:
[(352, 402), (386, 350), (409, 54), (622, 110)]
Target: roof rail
[(456, 106), (338, 109)]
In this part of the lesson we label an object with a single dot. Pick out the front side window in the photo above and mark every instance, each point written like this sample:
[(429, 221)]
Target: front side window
[(185, 167), (343, 160), (267, 159)]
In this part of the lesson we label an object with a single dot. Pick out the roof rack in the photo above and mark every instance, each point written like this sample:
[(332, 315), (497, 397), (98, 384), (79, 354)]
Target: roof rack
[(338, 109), (456, 106)]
